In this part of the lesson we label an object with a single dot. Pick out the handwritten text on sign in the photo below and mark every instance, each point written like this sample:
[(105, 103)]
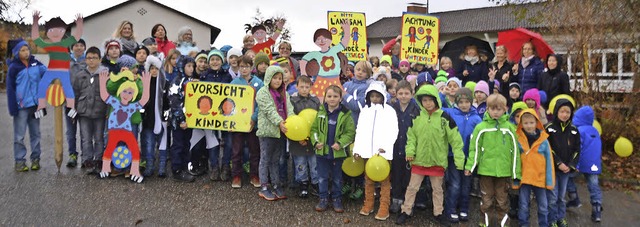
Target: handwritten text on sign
[(219, 106), (420, 37), (357, 48)]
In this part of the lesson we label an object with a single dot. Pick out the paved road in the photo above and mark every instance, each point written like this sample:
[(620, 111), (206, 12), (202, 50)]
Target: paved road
[(70, 198)]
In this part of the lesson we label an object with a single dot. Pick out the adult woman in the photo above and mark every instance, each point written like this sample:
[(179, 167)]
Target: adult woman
[(247, 43), (393, 48), (500, 70), (473, 67), (554, 81), (186, 45), (528, 70), (124, 33), (284, 51), (160, 34)]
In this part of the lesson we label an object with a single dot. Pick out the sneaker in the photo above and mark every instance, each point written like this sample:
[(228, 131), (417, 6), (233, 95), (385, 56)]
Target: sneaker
[(143, 165), (255, 181), (454, 218), (322, 205), (304, 190), (396, 204), (553, 225), (346, 189), (266, 194), (574, 203), (464, 216), (563, 223), (183, 176), (236, 182), (421, 206), (35, 164), (337, 205), (86, 164), (73, 161), (314, 190), (357, 193), (596, 214), (402, 218), (225, 174), (279, 193), (442, 220), (21, 167), (215, 174)]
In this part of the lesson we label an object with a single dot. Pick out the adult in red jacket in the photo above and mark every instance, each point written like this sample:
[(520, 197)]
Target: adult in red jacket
[(164, 44)]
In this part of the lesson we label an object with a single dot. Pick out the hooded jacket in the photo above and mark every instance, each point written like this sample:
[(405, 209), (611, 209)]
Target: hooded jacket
[(86, 86), (354, 96), (175, 95), (537, 160), (534, 94), (377, 126), (590, 160), (268, 117), (493, 148), (564, 138), (219, 76), (430, 136), (345, 131), (466, 122), (554, 82), (154, 109), (300, 103), (22, 83)]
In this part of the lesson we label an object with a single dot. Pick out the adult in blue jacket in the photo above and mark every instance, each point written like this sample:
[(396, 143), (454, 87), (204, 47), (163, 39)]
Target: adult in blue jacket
[(23, 77), (529, 68), (590, 161)]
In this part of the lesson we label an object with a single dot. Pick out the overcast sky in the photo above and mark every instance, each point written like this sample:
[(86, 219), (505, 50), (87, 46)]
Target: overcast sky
[(303, 17)]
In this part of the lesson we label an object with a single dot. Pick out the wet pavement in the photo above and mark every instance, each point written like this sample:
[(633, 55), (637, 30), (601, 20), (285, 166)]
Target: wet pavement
[(71, 198)]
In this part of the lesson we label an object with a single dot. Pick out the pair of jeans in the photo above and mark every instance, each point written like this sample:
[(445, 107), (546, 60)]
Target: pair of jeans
[(283, 165), (305, 168), (557, 202), (21, 121), (150, 142), (329, 169), (541, 199), (227, 151), (270, 151), (458, 189), (91, 137), (592, 185), (179, 150), (71, 132), (252, 142)]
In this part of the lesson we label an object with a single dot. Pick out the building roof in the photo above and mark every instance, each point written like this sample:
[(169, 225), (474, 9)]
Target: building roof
[(215, 31), (488, 19)]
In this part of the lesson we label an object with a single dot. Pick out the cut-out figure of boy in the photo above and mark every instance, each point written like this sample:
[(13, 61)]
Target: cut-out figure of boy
[(259, 33), (59, 58)]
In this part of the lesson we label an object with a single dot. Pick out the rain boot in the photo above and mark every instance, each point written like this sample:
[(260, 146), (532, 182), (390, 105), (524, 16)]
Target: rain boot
[(369, 198), (574, 200), (385, 200), (514, 200)]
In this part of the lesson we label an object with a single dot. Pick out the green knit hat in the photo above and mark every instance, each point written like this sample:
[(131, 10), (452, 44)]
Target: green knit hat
[(261, 58), (216, 53)]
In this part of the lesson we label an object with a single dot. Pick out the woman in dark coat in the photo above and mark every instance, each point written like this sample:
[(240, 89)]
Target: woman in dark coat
[(554, 81)]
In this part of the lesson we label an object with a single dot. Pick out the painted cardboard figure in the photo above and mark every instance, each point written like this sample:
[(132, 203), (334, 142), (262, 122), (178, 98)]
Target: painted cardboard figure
[(119, 124), (428, 39), (259, 33), (412, 36), (227, 107), (355, 35), (327, 61), (204, 105), (59, 59)]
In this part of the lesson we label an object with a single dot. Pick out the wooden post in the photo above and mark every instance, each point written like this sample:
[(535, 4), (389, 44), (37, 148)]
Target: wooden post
[(58, 132)]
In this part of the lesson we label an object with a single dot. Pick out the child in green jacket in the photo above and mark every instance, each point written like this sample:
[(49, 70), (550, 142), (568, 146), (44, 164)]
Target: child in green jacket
[(427, 149), (331, 133), (493, 151)]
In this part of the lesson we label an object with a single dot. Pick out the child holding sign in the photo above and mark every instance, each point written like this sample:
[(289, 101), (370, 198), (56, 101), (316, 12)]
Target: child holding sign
[(275, 107)]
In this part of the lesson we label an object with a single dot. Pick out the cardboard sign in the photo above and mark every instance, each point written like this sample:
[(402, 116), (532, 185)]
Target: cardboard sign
[(357, 49), (420, 37), (218, 106)]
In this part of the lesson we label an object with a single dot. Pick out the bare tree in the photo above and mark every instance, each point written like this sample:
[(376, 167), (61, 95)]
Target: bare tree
[(12, 10)]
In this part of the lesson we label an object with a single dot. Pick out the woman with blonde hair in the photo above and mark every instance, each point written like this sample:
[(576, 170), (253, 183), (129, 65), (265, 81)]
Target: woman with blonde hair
[(124, 33), (500, 70)]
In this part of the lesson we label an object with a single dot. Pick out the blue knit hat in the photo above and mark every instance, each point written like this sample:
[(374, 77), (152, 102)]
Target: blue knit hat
[(424, 77), (16, 49)]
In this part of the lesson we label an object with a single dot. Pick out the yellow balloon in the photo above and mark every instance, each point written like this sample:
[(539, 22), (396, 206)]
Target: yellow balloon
[(353, 167), (297, 128), (309, 115), (377, 168), (623, 147), (598, 127), (552, 104)]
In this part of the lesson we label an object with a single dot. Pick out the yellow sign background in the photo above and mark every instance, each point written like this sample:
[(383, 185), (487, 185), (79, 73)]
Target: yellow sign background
[(357, 48), (221, 114), (420, 37)]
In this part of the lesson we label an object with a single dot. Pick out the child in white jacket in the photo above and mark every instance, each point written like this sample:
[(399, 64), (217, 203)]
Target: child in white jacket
[(376, 133)]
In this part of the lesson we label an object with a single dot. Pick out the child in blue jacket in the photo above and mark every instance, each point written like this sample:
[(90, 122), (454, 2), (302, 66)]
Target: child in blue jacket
[(23, 77), (589, 163)]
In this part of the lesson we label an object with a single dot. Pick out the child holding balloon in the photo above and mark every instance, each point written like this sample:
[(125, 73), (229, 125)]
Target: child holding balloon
[(331, 133), (376, 134), (275, 106), (427, 149)]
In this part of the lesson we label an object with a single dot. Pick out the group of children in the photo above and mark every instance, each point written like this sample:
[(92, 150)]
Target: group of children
[(426, 125)]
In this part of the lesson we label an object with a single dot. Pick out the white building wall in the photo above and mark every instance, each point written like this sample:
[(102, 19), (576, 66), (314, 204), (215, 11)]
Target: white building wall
[(98, 29)]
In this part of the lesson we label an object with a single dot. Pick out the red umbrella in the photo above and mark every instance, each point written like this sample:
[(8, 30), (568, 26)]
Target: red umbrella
[(513, 40)]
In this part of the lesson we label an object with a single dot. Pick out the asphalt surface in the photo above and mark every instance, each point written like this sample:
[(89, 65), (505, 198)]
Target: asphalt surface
[(71, 198)]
